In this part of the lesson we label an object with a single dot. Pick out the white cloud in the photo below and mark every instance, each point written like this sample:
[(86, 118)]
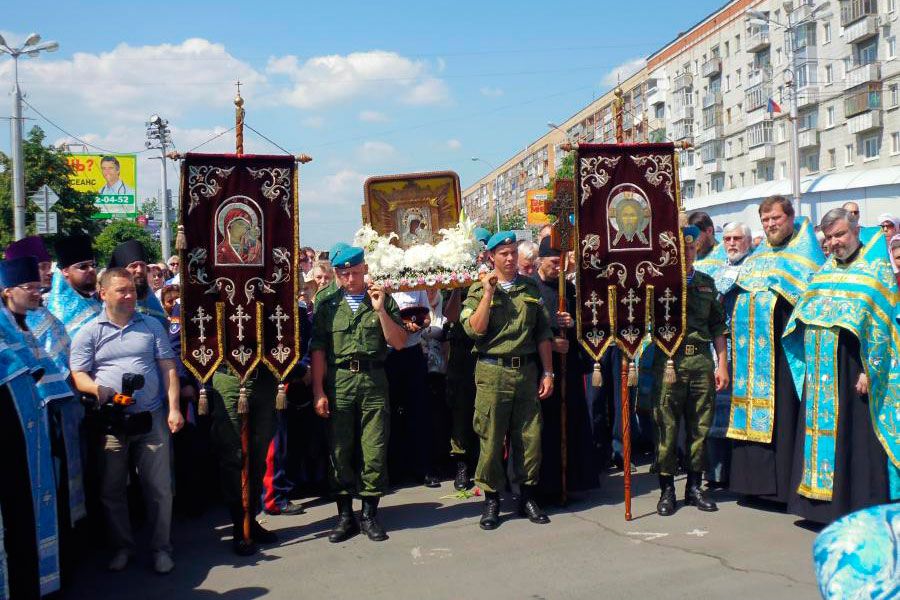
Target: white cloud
[(325, 80), (491, 92), (624, 71), (376, 152), (454, 144), (314, 121), (372, 116)]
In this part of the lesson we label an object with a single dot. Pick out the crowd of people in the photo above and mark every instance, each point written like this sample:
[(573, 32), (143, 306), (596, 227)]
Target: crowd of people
[(776, 391)]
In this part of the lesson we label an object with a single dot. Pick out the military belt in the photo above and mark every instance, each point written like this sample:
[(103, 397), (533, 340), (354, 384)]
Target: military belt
[(510, 362), (694, 349), (358, 365)]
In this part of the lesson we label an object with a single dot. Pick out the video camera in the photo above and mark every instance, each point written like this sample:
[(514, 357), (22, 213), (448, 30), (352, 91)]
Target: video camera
[(111, 417)]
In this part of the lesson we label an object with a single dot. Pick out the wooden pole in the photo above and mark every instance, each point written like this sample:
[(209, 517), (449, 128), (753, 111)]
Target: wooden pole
[(563, 410), (626, 436)]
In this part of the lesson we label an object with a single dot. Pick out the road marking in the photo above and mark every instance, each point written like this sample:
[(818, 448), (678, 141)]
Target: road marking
[(647, 535), (697, 532)]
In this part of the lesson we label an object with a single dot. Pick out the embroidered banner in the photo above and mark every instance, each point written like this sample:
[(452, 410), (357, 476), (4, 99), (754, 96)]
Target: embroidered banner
[(631, 279), (238, 272)]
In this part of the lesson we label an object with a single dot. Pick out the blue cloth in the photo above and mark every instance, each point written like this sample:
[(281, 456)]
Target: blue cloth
[(71, 308), (768, 273), (337, 248), (858, 556), (500, 238), (482, 235), (52, 385), (16, 367), (861, 298), (106, 352), (690, 233), (348, 257)]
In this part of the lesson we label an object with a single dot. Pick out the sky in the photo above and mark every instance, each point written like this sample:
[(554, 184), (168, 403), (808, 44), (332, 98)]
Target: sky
[(365, 88)]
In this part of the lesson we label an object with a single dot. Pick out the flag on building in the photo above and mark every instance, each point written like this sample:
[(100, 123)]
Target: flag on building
[(774, 107)]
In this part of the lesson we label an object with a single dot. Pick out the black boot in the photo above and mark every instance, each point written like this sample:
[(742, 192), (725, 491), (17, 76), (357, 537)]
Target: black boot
[(693, 493), (528, 506), (260, 534), (490, 517), (666, 505), (461, 482), (369, 522), (241, 546), (346, 526)]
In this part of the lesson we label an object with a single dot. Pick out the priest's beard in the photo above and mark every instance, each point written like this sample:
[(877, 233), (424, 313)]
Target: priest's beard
[(141, 287)]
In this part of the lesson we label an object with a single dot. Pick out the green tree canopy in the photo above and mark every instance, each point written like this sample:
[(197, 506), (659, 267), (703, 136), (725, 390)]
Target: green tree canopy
[(45, 165), (117, 232)]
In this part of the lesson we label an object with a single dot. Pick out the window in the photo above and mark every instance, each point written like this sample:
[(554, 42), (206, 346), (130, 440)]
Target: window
[(777, 61), (728, 83), (812, 162), (729, 149), (728, 115), (829, 116), (731, 182), (737, 75), (892, 46), (829, 74), (832, 158), (891, 5), (872, 147), (868, 52), (808, 120), (895, 142), (826, 30), (779, 133), (737, 43), (895, 94), (741, 175), (848, 154), (782, 170), (687, 189), (726, 50), (717, 183)]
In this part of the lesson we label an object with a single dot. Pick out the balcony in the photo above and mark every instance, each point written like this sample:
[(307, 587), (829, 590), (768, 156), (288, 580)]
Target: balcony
[(854, 10), (717, 165), (682, 113), (861, 30), (808, 138), (655, 95), (802, 12), (757, 96), (765, 151), (806, 53), (864, 122), (862, 74), (807, 96), (866, 99), (683, 81), (712, 67), (758, 40), (683, 131), (711, 151), (758, 76), (712, 99)]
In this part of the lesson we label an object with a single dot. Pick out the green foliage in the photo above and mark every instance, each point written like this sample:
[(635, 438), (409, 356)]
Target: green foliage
[(150, 207), (117, 232), (45, 165)]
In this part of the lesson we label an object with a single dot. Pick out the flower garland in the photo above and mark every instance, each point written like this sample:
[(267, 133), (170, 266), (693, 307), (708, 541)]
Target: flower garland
[(452, 262)]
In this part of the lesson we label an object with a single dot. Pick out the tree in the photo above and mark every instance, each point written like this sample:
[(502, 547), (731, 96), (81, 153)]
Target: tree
[(120, 231), (45, 165), (149, 207)]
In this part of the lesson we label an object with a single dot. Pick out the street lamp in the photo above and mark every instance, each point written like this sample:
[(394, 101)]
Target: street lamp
[(496, 188), (158, 135), (31, 48), (760, 18)]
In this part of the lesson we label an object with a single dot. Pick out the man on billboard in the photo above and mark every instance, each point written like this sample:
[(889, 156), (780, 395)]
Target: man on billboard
[(110, 168)]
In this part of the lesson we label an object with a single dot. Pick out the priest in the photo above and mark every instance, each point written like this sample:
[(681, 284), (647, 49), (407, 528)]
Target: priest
[(764, 402), (132, 256), (842, 342), (73, 290)]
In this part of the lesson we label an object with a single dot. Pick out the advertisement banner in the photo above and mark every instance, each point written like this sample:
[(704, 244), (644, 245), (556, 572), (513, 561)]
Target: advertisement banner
[(536, 200), (111, 178)]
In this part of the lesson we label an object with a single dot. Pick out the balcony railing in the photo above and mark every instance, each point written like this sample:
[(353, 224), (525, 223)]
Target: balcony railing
[(807, 96), (757, 96), (862, 74), (764, 151), (711, 67), (683, 130), (861, 30), (866, 99), (683, 81), (712, 99), (758, 76), (854, 10), (864, 122), (758, 40), (712, 151), (808, 138), (682, 113)]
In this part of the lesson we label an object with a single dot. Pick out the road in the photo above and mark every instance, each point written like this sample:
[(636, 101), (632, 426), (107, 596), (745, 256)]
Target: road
[(436, 550)]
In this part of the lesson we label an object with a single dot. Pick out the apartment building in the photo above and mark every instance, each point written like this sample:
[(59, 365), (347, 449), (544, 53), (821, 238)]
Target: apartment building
[(719, 85)]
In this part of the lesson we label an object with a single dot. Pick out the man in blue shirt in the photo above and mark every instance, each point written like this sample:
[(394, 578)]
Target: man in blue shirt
[(117, 342)]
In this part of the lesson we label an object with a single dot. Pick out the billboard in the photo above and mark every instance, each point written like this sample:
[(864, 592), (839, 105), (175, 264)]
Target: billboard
[(536, 201), (111, 178)]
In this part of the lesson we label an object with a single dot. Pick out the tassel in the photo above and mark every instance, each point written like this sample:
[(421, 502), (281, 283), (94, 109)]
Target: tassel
[(597, 376), (669, 374), (243, 406), (180, 239), (632, 374), (281, 397), (203, 402)]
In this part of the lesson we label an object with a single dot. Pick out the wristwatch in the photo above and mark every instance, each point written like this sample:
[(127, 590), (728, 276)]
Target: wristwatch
[(549, 374)]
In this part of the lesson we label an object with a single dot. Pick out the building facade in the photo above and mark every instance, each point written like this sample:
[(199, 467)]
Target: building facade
[(726, 87)]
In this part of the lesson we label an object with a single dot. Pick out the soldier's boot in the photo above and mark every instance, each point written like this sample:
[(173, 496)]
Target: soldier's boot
[(240, 546), (369, 521), (461, 481), (261, 535), (693, 493), (666, 505), (490, 516), (346, 526), (528, 507)]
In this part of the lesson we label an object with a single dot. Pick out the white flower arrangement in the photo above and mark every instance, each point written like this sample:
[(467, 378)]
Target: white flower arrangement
[(452, 262)]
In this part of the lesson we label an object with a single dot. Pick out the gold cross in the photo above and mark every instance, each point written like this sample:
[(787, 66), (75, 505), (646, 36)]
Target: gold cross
[(562, 207), (238, 83)]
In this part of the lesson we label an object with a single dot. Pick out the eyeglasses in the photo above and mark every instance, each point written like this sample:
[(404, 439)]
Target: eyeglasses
[(84, 266), (31, 288), (887, 225)]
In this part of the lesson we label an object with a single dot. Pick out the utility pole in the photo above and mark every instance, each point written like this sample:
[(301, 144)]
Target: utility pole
[(158, 136), (32, 47)]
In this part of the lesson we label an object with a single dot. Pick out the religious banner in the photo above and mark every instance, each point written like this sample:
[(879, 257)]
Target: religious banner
[(414, 206), (630, 267), (239, 264)]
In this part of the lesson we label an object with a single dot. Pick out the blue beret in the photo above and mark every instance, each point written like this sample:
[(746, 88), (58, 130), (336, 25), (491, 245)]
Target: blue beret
[(690, 233), (337, 248), (348, 257), (501, 237), (482, 235), (18, 271)]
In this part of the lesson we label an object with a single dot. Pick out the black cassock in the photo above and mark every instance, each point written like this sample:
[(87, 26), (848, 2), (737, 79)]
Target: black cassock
[(583, 472), (860, 462), (765, 470)]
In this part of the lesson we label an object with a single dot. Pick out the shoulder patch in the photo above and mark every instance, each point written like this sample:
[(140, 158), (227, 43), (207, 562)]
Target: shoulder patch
[(466, 313)]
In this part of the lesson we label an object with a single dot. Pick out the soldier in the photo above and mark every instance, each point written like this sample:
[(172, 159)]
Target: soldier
[(691, 396), (351, 333), (506, 317)]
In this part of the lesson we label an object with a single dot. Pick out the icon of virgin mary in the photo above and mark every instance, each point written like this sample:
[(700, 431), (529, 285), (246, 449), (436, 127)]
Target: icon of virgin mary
[(238, 234)]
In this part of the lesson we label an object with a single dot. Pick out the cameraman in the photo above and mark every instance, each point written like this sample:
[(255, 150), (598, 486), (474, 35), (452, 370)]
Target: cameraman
[(121, 341)]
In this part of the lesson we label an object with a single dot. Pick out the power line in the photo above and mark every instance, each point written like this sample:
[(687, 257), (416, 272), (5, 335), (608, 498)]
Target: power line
[(75, 137)]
